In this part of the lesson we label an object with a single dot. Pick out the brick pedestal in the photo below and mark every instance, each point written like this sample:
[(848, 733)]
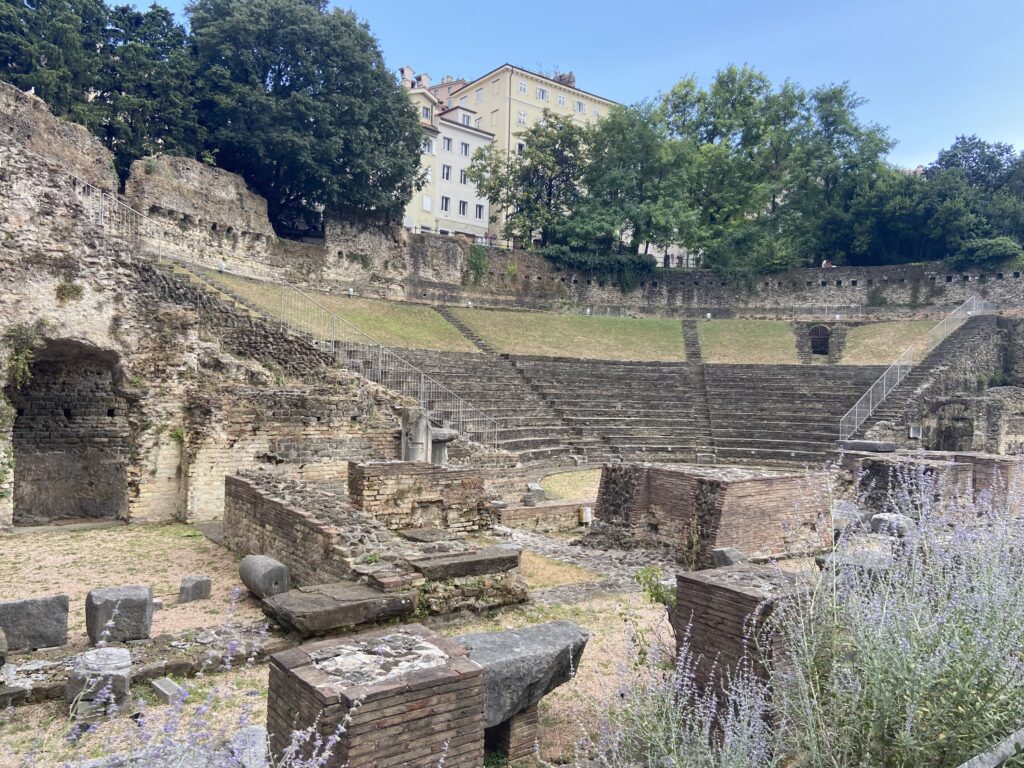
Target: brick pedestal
[(521, 734), (405, 696)]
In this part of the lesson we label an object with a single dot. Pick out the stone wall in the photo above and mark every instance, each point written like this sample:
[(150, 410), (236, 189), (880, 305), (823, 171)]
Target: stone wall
[(405, 494), (263, 520), (71, 439), (692, 510), (545, 516), (836, 340)]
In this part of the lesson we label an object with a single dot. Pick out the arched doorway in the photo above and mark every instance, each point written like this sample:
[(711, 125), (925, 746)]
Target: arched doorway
[(71, 437), (819, 335)]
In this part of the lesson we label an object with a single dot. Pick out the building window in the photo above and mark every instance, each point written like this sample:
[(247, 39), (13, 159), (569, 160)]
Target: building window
[(479, 211), (561, 99), (597, 112), (479, 122), (426, 202), (522, 86), (466, 119), (462, 178), (428, 146), (446, 204), (520, 148), (496, 86), (464, 149), (446, 172), (464, 101), (542, 94), (522, 118), (425, 111), (463, 207), (428, 175), (580, 107), (447, 144), (479, 95), (494, 119)]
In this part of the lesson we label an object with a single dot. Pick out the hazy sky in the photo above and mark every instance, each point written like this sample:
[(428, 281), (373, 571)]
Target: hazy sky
[(930, 69)]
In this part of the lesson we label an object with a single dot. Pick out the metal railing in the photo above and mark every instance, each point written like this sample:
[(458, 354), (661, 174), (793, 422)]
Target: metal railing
[(300, 314), (829, 311), (895, 373)]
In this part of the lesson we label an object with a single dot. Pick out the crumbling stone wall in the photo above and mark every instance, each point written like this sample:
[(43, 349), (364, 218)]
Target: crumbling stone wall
[(692, 510), (312, 432), (71, 440), (992, 422), (406, 494), (836, 340)]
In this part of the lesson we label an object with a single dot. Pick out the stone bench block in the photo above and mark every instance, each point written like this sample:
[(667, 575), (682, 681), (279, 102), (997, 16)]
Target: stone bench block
[(479, 563), (36, 622), (324, 608), (263, 576), (194, 588), (129, 609), (166, 690), (521, 666)]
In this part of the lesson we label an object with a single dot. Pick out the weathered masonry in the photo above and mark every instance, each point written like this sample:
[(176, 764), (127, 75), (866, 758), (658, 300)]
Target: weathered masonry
[(693, 510), (71, 436)]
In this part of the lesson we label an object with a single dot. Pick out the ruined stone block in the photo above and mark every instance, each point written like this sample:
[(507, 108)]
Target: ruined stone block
[(263, 576), (36, 622), (194, 588), (102, 676), (128, 609)]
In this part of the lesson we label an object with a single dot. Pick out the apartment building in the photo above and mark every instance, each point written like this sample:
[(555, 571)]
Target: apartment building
[(508, 100), (448, 203)]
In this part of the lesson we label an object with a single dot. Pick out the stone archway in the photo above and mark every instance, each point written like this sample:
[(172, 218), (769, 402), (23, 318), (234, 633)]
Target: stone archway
[(71, 437), (819, 336)]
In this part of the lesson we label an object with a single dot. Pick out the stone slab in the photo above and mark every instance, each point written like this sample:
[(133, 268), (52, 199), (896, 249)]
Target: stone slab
[(871, 446), (521, 666), (323, 608), (425, 535), (36, 622), (458, 564), (167, 691)]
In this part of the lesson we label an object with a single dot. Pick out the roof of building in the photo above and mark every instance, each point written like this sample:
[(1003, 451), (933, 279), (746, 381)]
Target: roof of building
[(514, 68), (471, 128)]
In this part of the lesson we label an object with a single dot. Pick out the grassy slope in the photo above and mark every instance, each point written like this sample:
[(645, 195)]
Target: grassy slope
[(882, 343), (581, 484), (393, 324), (766, 342), (610, 338)]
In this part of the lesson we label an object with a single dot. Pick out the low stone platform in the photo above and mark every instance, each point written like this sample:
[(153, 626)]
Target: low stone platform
[(325, 608), (557, 515), (476, 563)]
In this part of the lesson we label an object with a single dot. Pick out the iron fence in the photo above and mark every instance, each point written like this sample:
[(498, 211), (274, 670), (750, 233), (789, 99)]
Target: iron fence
[(829, 312), (895, 373)]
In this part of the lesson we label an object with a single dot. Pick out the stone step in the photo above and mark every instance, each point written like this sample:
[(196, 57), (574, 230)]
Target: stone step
[(343, 605)]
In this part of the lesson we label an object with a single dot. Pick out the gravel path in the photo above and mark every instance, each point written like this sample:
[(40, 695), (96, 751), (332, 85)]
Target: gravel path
[(618, 566)]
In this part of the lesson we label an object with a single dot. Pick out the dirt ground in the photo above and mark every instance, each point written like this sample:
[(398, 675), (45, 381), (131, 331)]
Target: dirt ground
[(76, 561)]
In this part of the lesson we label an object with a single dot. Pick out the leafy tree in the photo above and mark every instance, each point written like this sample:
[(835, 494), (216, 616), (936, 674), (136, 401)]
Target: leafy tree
[(540, 187), (297, 99), (985, 165), (55, 47)]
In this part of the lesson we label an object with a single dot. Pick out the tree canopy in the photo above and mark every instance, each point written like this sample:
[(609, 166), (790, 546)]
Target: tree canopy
[(294, 97)]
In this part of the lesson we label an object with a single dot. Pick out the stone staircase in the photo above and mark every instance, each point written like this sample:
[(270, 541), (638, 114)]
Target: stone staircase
[(527, 425), (691, 341), (649, 411), (781, 414), (893, 407), (465, 330)]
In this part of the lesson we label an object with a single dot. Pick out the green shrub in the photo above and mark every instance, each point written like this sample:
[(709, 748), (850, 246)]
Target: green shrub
[(23, 341), (624, 270), (68, 290), (476, 263)]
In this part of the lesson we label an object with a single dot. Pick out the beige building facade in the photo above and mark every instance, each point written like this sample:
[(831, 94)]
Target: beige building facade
[(508, 100), (448, 202)]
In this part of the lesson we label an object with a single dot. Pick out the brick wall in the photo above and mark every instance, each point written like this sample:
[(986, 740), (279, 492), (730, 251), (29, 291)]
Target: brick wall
[(405, 494), (692, 510), (722, 610), (257, 522), (431, 714)]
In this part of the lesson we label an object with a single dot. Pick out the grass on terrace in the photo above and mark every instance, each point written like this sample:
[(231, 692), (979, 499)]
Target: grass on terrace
[(581, 484), (607, 338), (882, 343), (755, 342), (392, 323)]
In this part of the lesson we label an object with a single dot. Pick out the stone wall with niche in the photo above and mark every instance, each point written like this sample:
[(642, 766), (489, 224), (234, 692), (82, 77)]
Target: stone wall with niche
[(834, 335)]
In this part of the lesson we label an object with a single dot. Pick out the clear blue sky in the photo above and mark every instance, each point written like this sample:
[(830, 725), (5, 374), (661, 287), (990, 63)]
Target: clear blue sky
[(930, 69)]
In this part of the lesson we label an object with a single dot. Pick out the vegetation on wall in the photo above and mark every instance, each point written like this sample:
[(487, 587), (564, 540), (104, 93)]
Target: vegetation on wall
[(22, 340), (292, 95), (476, 263)]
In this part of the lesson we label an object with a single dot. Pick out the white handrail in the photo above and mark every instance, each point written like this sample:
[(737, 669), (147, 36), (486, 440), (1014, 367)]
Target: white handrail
[(392, 370), (895, 373)]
